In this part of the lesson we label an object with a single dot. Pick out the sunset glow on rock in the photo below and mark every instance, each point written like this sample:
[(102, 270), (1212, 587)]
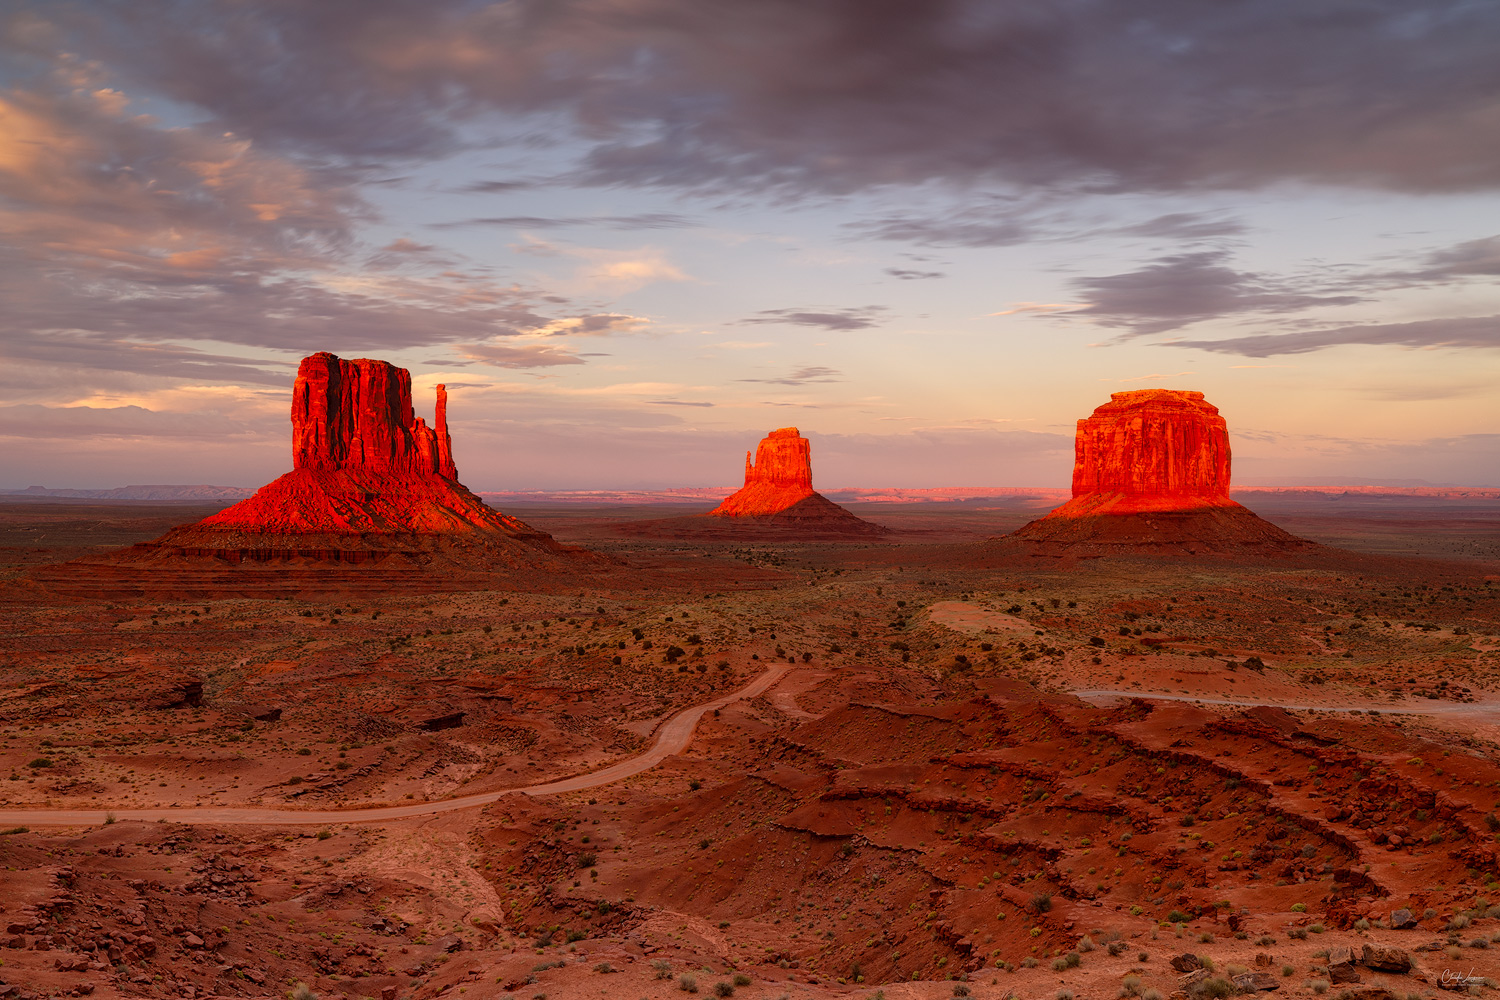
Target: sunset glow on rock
[(1151, 473)]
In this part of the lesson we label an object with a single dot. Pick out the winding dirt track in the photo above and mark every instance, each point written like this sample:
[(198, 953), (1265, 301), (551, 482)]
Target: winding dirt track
[(672, 738)]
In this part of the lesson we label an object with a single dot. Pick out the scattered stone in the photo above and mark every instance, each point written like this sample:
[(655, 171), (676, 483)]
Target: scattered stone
[(1186, 963), (1402, 919), (1246, 982), (1385, 959)]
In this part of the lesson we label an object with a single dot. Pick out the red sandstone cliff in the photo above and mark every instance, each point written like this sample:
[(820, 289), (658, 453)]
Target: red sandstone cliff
[(777, 496), (1155, 444), (1151, 473), (371, 485), (780, 476)]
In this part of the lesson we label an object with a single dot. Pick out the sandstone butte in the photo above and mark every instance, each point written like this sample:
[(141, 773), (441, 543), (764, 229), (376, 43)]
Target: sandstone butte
[(1151, 474), (363, 464), (371, 486), (778, 495)]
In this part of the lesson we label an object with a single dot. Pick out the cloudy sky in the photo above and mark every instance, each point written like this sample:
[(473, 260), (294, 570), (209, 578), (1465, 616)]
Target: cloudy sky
[(634, 235)]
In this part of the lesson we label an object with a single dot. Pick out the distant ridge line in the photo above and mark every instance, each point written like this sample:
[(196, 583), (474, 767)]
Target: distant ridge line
[(713, 494)]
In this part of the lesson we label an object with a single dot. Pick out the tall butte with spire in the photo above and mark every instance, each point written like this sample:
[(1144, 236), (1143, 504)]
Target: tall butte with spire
[(778, 490), (1151, 474), (371, 486)]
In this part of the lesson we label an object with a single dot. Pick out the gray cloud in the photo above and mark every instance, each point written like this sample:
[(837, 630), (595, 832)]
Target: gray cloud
[(1184, 226), (1114, 94), (906, 274), (646, 220), (852, 318), (502, 355), (1186, 288), (1459, 332), (802, 376), (958, 230), (676, 402)]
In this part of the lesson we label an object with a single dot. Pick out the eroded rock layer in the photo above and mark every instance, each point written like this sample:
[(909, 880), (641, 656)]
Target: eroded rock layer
[(1151, 475)]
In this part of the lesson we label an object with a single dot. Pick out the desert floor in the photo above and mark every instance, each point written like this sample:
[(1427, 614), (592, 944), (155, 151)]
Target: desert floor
[(920, 766)]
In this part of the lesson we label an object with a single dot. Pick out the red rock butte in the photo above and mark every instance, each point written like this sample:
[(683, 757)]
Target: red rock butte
[(371, 484), (780, 477), (778, 498), (1151, 474)]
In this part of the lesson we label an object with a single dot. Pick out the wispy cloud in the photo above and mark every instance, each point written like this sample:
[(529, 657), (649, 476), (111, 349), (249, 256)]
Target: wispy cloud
[(802, 376), (852, 318)]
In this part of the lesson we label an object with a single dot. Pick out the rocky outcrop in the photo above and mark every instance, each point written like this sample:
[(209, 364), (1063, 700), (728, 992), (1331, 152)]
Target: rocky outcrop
[(1160, 446), (779, 477), (777, 502), (1151, 475), (372, 486)]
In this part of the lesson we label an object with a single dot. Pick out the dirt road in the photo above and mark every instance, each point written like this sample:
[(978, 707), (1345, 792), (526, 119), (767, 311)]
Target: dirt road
[(673, 737)]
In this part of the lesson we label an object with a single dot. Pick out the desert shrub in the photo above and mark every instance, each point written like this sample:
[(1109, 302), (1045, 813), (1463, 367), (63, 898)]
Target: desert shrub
[(1287, 971), (1214, 989), (1116, 947), (1479, 943), (586, 860), (1029, 962), (1064, 995), (723, 989), (604, 967), (1361, 924), (687, 983), (1178, 917), (662, 968), (960, 990), (1205, 938), (1086, 944), (740, 979), (1130, 986), (1151, 993), (1142, 957), (1073, 959), (1059, 964), (1297, 933), (301, 992), (1318, 986), (1265, 940), (41, 762), (1206, 962), (1040, 903), (1299, 907), (576, 935), (1316, 929), (1459, 922)]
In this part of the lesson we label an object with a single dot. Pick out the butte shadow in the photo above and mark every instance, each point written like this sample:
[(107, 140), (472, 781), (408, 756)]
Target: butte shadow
[(777, 503), (1151, 477), (373, 502)]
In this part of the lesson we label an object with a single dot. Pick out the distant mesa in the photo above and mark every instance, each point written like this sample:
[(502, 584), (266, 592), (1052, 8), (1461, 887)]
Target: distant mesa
[(371, 486), (777, 499), (1151, 475)]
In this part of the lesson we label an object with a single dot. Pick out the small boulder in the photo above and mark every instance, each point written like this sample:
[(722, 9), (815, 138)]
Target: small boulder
[(1252, 981), (1340, 954), (1385, 959), (1402, 919), (1186, 963), (1342, 974)]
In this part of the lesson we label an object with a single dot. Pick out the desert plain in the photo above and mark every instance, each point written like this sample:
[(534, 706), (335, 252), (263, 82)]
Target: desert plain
[(917, 765)]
